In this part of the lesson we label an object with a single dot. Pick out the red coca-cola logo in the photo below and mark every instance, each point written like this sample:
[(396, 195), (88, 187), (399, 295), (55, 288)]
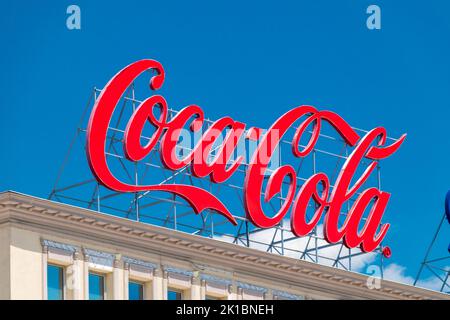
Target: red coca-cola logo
[(329, 202)]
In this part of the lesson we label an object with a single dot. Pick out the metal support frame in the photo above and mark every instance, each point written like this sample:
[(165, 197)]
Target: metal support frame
[(173, 212), (436, 263)]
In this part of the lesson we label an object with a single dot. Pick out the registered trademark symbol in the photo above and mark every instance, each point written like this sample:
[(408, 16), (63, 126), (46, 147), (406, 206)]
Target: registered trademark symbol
[(387, 252)]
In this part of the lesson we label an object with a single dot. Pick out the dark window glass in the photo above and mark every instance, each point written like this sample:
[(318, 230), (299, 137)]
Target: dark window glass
[(96, 287), (173, 295), (135, 291), (55, 282)]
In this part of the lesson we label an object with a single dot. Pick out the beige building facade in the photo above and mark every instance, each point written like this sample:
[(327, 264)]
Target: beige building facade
[(38, 236)]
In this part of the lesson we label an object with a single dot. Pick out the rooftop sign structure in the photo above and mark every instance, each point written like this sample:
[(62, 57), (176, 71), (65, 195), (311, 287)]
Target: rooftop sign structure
[(310, 176)]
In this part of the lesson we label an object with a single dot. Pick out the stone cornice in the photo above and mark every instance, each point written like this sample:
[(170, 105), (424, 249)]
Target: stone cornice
[(79, 223)]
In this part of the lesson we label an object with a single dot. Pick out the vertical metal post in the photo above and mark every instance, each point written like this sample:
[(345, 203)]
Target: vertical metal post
[(98, 185), (348, 210), (247, 234), (174, 213), (281, 204), (98, 197), (211, 212), (315, 228), (136, 181), (175, 220), (381, 245)]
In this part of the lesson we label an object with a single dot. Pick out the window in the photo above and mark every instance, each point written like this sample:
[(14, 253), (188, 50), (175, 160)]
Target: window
[(55, 282), (135, 291), (174, 295), (96, 287)]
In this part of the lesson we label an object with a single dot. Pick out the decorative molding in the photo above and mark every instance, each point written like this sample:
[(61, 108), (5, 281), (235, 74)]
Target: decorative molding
[(215, 280), (117, 263), (239, 290), (195, 280), (138, 262), (158, 273), (287, 295), (251, 287), (178, 271), (99, 257), (77, 255), (57, 245)]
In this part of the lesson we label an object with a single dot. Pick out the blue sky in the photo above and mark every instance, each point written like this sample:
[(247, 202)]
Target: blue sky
[(252, 61)]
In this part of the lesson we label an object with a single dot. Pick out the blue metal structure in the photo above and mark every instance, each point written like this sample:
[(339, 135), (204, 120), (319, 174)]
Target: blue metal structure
[(436, 264)]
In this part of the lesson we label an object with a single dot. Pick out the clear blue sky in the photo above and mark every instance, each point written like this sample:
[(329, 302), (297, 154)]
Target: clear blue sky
[(225, 57)]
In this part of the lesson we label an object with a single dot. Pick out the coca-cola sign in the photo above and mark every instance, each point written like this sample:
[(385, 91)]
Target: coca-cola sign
[(329, 201)]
